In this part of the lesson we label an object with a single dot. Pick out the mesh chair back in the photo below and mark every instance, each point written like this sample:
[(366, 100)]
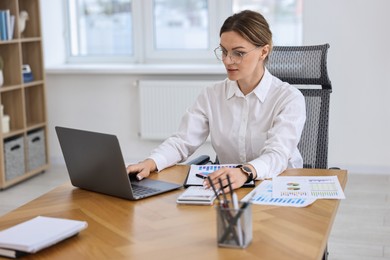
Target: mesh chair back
[(307, 65)]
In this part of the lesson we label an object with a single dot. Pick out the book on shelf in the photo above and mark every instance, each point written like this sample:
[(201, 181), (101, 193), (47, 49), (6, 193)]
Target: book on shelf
[(3, 25), (7, 25), (11, 26), (36, 234)]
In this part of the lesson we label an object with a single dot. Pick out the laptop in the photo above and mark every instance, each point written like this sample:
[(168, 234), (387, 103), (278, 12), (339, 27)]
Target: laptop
[(95, 163)]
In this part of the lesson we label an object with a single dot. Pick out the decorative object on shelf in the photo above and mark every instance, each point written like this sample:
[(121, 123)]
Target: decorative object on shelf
[(23, 18), (5, 120), (5, 124), (27, 73), (1, 71)]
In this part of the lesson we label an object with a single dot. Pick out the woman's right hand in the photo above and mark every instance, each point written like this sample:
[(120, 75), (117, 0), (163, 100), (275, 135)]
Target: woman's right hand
[(142, 169)]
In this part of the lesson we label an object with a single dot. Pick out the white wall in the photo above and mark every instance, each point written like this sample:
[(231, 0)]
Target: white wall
[(358, 62), (103, 103)]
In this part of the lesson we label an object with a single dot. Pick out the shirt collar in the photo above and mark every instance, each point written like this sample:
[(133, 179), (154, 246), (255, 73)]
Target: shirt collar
[(260, 91)]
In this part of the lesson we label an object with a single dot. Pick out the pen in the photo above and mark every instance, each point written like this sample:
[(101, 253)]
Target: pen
[(236, 207), (225, 201), (201, 175), (213, 187), (223, 205), (226, 215), (233, 221), (230, 186)]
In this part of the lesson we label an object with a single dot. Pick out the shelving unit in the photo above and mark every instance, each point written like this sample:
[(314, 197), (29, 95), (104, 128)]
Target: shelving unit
[(24, 149)]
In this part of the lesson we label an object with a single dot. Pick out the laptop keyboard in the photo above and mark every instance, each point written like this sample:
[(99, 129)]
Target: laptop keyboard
[(141, 190)]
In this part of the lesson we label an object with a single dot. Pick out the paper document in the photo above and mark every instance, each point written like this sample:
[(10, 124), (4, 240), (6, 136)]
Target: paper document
[(197, 174), (319, 187), (262, 195)]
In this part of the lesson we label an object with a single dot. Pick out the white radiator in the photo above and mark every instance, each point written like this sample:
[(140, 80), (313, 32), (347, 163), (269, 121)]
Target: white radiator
[(163, 103)]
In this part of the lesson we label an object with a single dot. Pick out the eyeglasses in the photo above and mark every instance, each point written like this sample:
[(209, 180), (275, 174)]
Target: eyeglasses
[(235, 56)]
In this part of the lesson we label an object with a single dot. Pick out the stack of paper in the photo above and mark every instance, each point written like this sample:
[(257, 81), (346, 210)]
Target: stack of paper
[(36, 234), (197, 195)]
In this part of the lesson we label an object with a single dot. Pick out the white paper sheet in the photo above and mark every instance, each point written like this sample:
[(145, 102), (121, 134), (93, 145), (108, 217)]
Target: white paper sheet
[(262, 195), (319, 187), (194, 180)]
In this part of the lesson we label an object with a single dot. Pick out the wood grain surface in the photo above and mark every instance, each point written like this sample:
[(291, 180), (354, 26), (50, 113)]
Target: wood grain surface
[(159, 228)]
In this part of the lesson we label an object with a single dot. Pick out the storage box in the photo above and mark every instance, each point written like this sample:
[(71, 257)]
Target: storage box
[(14, 157), (36, 151)]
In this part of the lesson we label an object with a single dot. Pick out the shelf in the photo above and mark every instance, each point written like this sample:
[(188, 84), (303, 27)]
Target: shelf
[(9, 100), (34, 127), (23, 149), (31, 39), (34, 100), (31, 53), (33, 83), (13, 133), (12, 71), (9, 41), (32, 7), (10, 88)]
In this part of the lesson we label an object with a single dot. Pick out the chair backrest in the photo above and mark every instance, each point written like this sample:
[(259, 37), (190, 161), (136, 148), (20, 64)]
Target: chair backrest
[(306, 67)]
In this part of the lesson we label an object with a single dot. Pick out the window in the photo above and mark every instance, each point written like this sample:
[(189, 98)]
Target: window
[(166, 31), (185, 21), (283, 16), (100, 28)]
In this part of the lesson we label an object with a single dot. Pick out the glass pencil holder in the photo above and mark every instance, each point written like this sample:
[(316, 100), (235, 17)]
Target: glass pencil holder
[(234, 226)]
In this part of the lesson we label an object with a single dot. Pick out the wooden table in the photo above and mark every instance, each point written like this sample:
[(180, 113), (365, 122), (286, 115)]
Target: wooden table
[(158, 228)]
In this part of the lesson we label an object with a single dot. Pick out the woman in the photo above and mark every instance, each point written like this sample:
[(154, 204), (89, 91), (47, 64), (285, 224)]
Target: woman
[(254, 119)]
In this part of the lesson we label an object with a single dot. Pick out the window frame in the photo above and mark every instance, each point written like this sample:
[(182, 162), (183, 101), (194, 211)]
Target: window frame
[(143, 38), (98, 59), (152, 55)]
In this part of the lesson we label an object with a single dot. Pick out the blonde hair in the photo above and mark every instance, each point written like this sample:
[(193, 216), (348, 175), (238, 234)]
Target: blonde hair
[(252, 26)]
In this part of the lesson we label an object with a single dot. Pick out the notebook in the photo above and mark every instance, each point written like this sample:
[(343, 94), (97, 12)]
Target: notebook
[(95, 163), (36, 234)]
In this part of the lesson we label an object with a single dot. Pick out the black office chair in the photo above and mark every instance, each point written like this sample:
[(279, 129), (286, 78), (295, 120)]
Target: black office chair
[(306, 68)]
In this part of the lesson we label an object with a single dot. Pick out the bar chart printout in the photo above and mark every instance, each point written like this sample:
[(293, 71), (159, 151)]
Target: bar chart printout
[(319, 187), (196, 171), (262, 195)]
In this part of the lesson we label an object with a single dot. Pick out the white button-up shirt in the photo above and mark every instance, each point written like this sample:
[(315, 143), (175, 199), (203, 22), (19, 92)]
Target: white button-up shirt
[(262, 128)]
